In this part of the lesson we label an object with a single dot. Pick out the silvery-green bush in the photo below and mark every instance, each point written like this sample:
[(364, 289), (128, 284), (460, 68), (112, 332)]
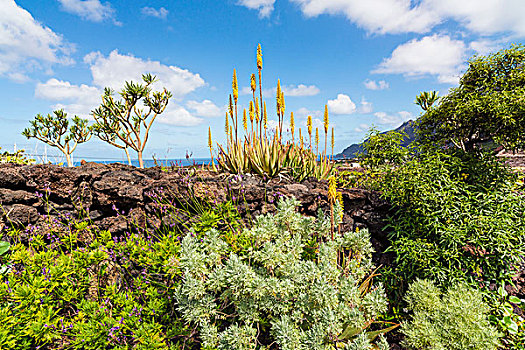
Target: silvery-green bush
[(293, 287), (454, 320)]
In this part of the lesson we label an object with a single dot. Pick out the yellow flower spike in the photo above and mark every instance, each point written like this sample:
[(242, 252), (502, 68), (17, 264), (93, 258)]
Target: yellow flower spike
[(326, 123), (257, 110), (259, 57), (326, 120), (253, 83), (332, 143), (309, 124), (226, 124), (230, 107), (251, 111), (300, 138), (283, 105), (244, 119), (332, 188), (317, 140), (210, 145), (265, 116), (292, 126), (235, 87), (278, 97), (341, 202)]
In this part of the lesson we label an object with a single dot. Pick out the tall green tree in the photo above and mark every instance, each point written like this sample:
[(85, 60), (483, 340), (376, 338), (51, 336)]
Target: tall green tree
[(126, 122), (488, 105), (55, 130)]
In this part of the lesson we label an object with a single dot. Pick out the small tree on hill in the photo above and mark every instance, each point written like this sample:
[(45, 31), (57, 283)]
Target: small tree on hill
[(488, 105), (124, 123), (56, 132)]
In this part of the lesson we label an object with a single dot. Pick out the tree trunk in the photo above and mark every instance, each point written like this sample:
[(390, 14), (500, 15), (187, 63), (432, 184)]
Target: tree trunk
[(68, 159), (127, 155), (141, 162)]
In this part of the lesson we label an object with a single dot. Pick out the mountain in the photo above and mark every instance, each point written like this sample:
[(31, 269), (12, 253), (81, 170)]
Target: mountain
[(353, 150)]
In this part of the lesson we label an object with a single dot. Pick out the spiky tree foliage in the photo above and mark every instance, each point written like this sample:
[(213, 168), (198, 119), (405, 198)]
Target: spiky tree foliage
[(126, 123), (55, 130), (488, 105), (287, 289)]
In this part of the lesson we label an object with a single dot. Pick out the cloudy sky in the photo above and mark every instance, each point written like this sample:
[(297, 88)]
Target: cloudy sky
[(367, 60)]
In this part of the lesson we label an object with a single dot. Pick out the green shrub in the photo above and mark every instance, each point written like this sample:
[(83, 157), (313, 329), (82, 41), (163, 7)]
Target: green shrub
[(456, 218), (293, 286), (18, 157), (456, 320)]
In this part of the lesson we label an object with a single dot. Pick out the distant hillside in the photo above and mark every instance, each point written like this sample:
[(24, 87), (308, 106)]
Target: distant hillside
[(353, 150)]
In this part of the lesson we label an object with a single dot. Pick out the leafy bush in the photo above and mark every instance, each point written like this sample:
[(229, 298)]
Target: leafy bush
[(457, 320), (286, 288), (17, 157), (456, 217)]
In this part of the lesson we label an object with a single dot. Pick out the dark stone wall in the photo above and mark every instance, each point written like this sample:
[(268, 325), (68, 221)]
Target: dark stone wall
[(113, 195)]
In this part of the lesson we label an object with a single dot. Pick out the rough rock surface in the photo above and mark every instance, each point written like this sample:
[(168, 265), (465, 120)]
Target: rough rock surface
[(112, 194)]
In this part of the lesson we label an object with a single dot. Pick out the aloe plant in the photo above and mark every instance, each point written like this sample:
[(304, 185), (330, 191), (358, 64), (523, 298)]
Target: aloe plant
[(260, 153)]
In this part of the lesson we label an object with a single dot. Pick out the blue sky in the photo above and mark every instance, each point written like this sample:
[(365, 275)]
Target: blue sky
[(367, 60)]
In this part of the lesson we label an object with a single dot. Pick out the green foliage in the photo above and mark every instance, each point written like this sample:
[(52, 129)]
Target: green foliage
[(383, 149), (17, 157), (56, 131), (67, 285), (456, 218), (271, 158), (487, 105), (508, 321), (278, 290), (456, 320), (124, 123)]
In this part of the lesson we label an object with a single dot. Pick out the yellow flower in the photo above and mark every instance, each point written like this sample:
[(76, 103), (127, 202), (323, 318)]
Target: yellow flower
[(259, 57), (292, 124), (309, 124), (278, 96), (326, 121), (332, 188), (251, 111), (210, 145), (253, 83), (257, 111), (235, 87), (244, 120)]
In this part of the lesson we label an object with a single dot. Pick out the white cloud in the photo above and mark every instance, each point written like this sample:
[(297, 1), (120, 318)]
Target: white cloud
[(486, 46), (91, 10), (395, 119), (342, 105), (403, 16), (26, 45), (205, 108), (161, 13), (437, 55), (57, 90), (305, 112), (365, 107), (265, 7), (300, 90), (178, 116), (378, 16), (115, 69), (376, 85), (484, 17), (362, 128)]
